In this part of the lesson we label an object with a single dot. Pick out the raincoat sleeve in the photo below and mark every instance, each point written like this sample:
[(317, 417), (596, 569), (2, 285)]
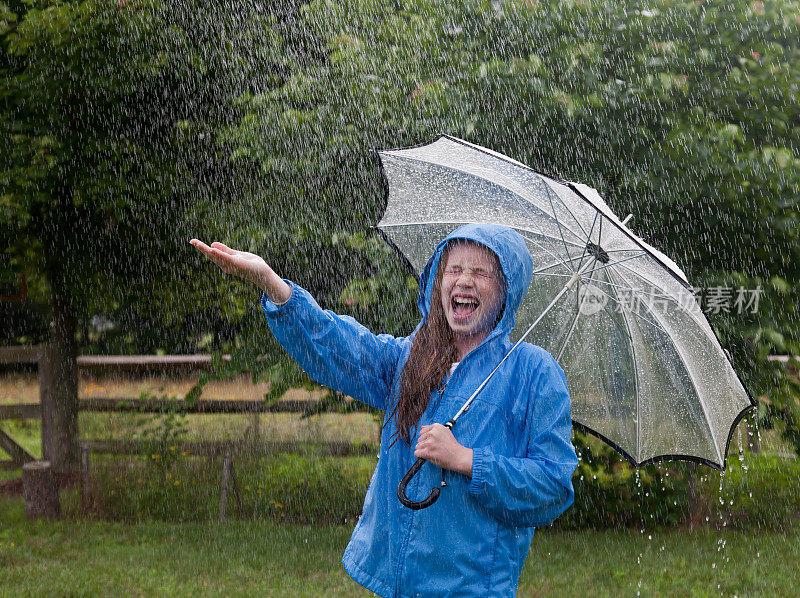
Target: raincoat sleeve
[(334, 350), (532, 491)]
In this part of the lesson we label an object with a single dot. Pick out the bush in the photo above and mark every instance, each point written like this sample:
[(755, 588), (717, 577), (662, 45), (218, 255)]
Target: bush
[(757, 492), (609, 493), (284, 488)]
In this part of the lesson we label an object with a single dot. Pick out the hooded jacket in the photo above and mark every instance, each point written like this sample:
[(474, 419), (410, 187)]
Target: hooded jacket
[(472, 541)]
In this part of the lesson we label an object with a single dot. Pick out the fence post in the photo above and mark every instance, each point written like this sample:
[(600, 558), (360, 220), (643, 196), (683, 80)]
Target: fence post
[(40, 491), (695, 507), (46, 402), (84, 472), (226, 472), (228, 479)]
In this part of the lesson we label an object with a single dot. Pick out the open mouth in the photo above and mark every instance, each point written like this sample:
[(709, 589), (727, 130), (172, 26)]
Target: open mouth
[(463, 307)]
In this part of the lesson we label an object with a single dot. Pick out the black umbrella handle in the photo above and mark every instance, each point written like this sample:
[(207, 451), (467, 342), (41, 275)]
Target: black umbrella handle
[(434, 494), (401, 489)]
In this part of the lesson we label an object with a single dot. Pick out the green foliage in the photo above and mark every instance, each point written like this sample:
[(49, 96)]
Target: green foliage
[(162, 434), (125, 125), (609, 493), (757, 492), (109, 120), (283, 488), (681, 114)]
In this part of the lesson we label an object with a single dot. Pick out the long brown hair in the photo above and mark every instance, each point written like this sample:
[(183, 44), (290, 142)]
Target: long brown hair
[(433, 351)]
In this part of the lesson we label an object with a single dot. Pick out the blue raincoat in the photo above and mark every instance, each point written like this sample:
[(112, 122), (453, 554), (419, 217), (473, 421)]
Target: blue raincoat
[(473, 541)]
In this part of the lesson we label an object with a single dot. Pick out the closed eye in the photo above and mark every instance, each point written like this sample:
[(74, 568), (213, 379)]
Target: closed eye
[(456, 271)]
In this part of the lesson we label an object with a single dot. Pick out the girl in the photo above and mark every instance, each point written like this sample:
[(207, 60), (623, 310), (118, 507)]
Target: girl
[(508, 462)]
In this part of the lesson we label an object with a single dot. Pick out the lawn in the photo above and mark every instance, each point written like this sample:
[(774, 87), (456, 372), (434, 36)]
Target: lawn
[(245, 558)]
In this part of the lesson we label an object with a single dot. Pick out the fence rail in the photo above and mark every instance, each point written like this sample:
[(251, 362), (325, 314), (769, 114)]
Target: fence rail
[(251, 448), (132, 405), (21, 354)]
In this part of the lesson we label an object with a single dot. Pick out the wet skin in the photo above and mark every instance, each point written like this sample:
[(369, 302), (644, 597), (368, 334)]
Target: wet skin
[(473, 293)]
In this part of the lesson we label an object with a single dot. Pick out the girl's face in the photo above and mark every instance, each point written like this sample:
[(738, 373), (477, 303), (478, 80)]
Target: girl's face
[(473, 290)]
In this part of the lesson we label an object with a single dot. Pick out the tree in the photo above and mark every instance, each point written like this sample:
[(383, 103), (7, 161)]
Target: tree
[(684, 114), (110, 162)]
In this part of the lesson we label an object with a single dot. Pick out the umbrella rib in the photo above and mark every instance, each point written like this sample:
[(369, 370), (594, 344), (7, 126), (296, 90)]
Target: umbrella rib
[(627, 332), (561, 263), (558, 223), (554, 274), (573, 325), (621, 304), (702, 404), (600, 232), (635, 290), (690, 312), (549, 192), (583, 230), (527, 207), (636, 385), (540, 233), (588, 240), (542, 247), (618, 250)]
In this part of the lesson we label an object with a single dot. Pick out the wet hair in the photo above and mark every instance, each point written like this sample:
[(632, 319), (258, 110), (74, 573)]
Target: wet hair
[(433, 352)]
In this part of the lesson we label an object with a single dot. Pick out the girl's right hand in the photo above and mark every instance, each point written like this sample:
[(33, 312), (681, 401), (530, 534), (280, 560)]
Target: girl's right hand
[(248, 266)]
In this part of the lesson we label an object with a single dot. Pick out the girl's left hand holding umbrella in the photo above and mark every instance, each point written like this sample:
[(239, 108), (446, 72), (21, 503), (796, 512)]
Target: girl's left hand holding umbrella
[(437, 444), (248, 266)]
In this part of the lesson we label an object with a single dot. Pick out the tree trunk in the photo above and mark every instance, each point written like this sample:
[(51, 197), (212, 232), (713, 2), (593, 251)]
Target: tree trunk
[(39, 490), (694, 496), (63, 370)]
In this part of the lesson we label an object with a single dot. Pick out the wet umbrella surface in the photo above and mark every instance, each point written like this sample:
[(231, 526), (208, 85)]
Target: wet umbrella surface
[(646, 372)]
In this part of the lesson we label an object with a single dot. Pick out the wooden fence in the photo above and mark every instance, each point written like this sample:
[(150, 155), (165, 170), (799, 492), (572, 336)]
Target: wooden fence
[(154, 363), (145, 364)]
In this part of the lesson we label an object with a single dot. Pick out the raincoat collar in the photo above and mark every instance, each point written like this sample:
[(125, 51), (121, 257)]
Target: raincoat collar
[(515, 260)]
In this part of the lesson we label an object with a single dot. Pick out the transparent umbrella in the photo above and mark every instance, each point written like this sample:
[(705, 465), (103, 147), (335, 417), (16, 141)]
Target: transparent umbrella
[(645, 370)]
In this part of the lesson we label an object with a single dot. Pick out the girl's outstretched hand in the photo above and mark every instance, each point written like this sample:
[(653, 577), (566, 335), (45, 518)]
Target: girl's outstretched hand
[(248, 266)]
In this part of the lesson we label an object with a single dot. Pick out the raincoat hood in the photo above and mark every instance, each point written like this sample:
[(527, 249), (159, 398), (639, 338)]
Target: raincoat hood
[(515, 260)]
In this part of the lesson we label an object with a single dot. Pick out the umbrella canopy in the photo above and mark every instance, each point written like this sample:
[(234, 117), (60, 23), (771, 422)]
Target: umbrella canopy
[(645, 370)]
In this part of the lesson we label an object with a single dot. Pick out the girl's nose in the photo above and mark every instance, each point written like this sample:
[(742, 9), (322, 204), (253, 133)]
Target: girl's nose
[(466, 279)]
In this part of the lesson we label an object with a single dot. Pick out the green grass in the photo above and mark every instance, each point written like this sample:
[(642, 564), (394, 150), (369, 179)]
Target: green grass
[(158, 559), (673, 562), (142, 536), (263, 558), (26, 432)]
